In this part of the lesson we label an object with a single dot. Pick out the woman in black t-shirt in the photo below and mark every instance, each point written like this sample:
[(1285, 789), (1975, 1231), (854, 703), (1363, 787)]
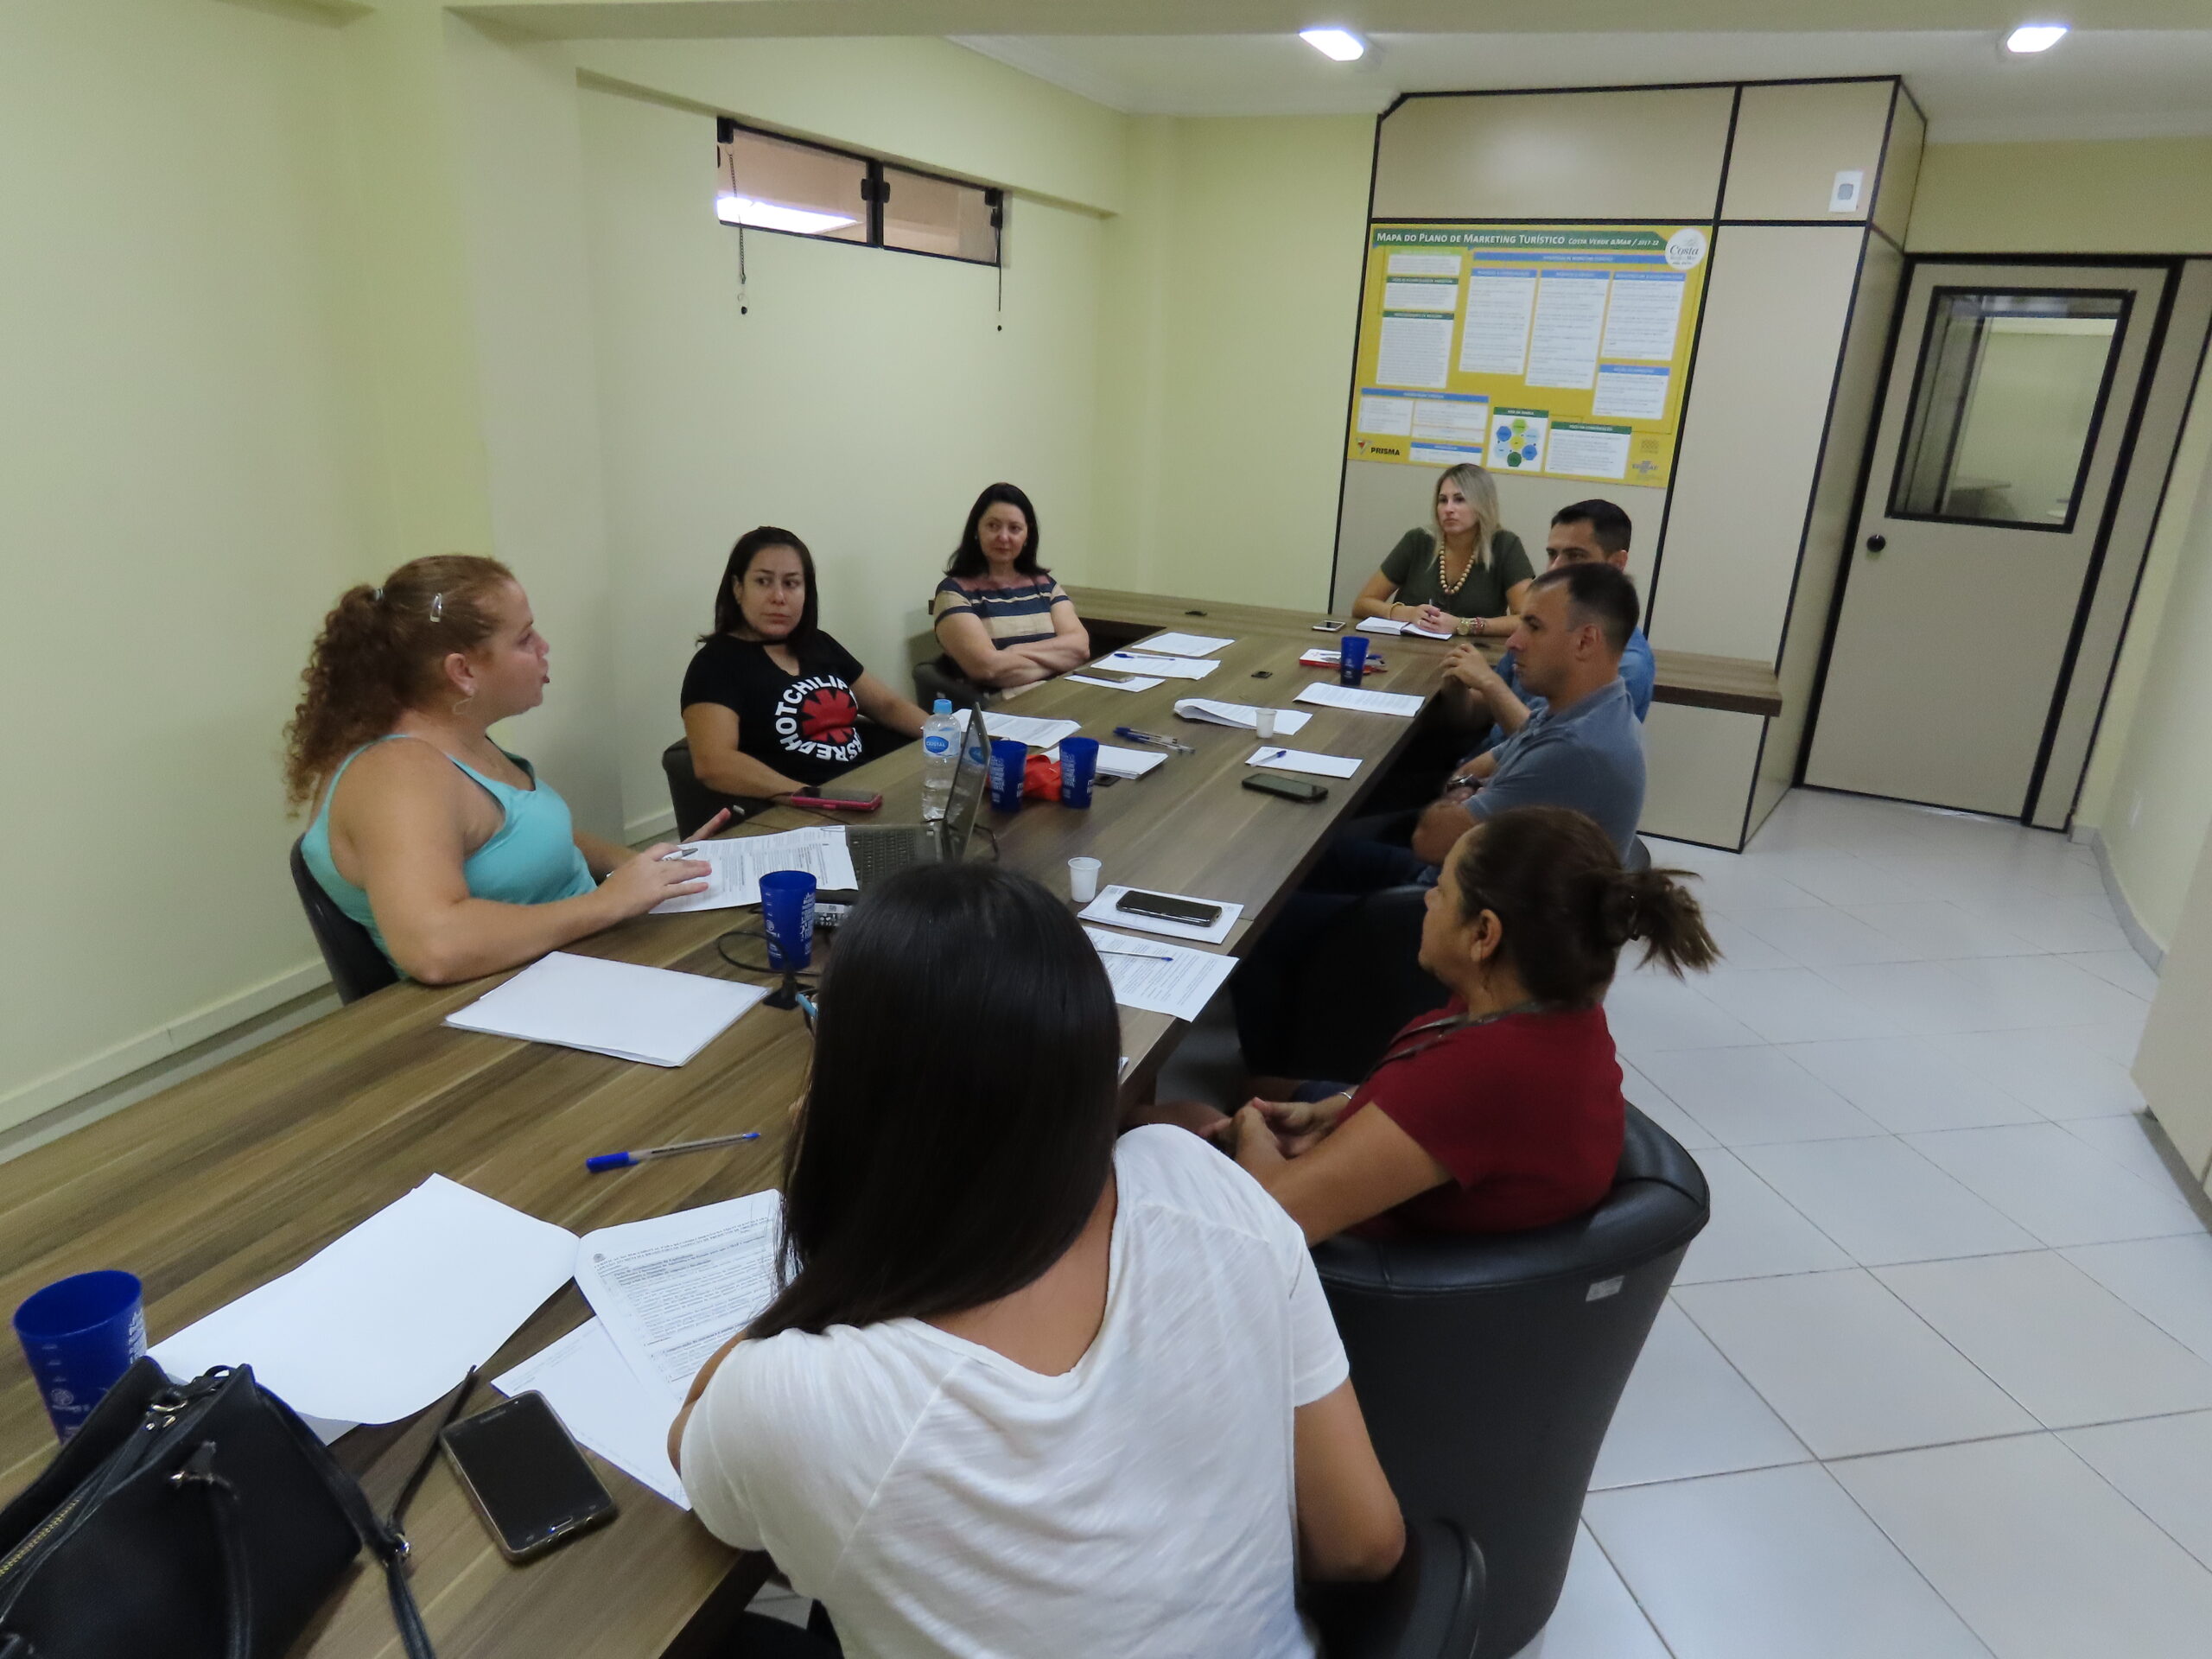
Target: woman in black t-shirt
[(771, 704)]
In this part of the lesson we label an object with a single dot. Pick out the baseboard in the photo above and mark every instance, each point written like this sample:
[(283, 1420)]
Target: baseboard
[(654, 826), (59, 1088), (2138, 935)]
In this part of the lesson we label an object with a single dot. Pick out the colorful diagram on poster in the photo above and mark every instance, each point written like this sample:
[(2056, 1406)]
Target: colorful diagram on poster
[(1561, 350)]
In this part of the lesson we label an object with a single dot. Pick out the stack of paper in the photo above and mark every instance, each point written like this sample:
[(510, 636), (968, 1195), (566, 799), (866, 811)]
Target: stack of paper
[(1126, 763), (1158, 977), (1367, 703), (1036, 732), (740, 860), (1321, 765), (619, 1008), (1167, 668), (1383, 624), (593, 1391), (386, 1319), (1321, 658), (1237, 714), (1142, 682), (1182, 645), (1104, 908)]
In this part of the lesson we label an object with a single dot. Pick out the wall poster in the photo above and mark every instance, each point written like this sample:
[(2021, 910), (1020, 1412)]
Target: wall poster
[(1557, 349)]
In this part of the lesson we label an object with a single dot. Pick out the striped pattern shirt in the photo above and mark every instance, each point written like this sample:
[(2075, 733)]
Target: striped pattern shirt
[(1012, 616)]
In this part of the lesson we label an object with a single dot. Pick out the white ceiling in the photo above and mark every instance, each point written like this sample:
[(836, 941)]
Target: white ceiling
[(2095, 84)]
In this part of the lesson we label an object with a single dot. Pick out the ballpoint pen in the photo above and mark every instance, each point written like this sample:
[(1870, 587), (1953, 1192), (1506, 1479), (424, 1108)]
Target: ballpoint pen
[(1273, 754), (623, 1160), (1141, 955), (1136, 737)]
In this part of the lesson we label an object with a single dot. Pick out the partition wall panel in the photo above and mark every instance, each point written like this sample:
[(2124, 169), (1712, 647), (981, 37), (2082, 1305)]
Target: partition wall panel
[(1792, 141)]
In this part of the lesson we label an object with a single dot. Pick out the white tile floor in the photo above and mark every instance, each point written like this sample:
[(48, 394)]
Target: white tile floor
[(1937, 1379)]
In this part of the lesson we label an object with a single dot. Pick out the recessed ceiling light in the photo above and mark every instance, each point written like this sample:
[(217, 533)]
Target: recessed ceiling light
[(1339, 43), (2035, 37), (774, 216)]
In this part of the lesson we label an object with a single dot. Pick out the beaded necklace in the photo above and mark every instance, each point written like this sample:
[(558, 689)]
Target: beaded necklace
[(1474, 558)]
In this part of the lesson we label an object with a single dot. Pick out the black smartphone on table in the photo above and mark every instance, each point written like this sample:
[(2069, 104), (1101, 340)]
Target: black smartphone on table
[(1163, 907), (1291, 789), (526, 1477)]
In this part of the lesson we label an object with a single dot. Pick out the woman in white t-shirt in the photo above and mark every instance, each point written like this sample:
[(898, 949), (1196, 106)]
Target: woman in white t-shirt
[(1028, 1388)]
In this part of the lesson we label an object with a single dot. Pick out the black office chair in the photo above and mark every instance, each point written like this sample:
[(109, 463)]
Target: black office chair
[(357, 967), (1488, 1366), (931, 682), (693, 801), (1430, 1607)]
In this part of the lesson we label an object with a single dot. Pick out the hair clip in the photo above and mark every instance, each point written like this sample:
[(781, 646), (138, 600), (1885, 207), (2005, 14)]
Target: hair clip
[(437, 607), (377, 598)]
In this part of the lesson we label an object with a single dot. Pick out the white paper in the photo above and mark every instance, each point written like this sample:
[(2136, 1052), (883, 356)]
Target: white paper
[(1570, 318), (1459, 420), (1645, 315), (384, 1319), (740, 861), (1321, 765), (653, 1014), (1036, 732), (1388, 414), (1420, 293), (1166, 668), (1416, 350), (603, 1406), (1160, 978), (1495, 340), (1589, 451), (1142, 682), (1637, 390), (1128, 762), (1366, 703), (1383, 624), (1102, 909), (1423, 264), (1182, 645), (673, 1289), (1237, 714)]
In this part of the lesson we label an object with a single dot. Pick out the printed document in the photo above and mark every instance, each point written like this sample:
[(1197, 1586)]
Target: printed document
[(1384, 625), (1167, 668), (1321, 765), (653, 1014), (1036, 732), (385, 1319), (1570, 318), (1182, 645), (740, 861), (1237, 714), (674, 1289), (1126, 763), (1159, 977), (603, 1405), (1103, 909), (1367, 703)]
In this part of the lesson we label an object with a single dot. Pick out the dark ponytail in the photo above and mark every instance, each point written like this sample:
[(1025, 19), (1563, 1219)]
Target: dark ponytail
[(1555, 884)]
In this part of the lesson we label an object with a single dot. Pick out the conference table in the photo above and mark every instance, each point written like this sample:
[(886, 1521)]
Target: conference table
[(235, 1176)]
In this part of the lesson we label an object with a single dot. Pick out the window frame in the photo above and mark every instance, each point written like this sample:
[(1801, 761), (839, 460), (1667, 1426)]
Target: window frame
[(1923, 365), (875, 193)]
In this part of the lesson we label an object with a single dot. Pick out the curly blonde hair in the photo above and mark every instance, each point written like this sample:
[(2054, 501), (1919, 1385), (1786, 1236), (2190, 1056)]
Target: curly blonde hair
[(377, 656)]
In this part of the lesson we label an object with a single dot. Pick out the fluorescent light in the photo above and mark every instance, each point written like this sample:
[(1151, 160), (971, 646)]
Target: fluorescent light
[(774, 216), (1339, 43), (2035, 37)]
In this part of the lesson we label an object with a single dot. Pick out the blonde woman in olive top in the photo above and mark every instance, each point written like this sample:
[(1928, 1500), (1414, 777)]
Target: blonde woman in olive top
[(1466, 576)]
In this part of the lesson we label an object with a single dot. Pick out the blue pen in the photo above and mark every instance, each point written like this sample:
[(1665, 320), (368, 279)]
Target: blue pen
[(1155, 738), (623, 1160), (806, 1004), (1275, 755)]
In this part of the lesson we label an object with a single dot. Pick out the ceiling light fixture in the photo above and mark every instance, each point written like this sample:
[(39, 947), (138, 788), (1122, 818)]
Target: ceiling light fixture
[(774, 216), (2034, 37), (1340, 44)]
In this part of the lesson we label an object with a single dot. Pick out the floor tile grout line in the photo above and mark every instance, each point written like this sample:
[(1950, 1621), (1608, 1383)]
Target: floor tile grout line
[(1651, 1624), (1965, 1624)]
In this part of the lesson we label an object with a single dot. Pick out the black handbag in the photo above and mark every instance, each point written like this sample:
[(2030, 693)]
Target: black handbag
[(199, 1521)]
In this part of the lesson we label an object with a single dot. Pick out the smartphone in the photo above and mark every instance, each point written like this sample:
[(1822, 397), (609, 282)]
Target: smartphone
[(1291, 789), (1328, 628), (525, 1476), (854, 800), (1165, 909)]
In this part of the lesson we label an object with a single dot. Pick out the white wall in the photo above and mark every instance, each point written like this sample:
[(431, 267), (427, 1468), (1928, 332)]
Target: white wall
[(180, 505), (861, 401)]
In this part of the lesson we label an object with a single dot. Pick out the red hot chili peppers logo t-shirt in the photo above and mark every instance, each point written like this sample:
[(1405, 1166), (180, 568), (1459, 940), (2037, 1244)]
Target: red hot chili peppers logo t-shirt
[(805, 726)]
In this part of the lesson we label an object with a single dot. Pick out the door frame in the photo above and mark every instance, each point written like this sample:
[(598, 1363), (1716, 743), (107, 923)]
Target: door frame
[(2123, 460)]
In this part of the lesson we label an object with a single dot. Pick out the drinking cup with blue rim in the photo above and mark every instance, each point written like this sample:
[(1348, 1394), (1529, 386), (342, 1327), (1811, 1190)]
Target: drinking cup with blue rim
[(787, 916), (1078, 770), (1009, 763), (1351, 659), (81, 1334)]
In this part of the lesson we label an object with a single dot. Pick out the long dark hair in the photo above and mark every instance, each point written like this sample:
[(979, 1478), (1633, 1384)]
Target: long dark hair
[(1555, 883), (729, 615), (967, 558), (959, 1124)]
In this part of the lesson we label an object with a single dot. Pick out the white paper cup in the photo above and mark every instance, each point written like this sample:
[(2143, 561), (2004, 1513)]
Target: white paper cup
[(1083, 880), (1263, 723)]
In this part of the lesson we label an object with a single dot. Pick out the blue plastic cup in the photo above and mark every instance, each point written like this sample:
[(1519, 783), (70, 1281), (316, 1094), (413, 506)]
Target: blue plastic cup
[(1078, 770), (81, 1335), (1351, 659), (787, 915), (1009, 762)]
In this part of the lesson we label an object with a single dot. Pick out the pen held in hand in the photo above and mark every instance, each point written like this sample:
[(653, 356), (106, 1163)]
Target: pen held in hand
[(623, 1160)]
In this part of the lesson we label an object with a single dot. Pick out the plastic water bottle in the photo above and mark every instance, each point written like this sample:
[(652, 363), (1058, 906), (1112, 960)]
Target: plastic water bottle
[(940, 758)]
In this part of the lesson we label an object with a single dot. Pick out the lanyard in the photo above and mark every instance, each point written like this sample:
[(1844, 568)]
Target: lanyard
[(1439, 1031)]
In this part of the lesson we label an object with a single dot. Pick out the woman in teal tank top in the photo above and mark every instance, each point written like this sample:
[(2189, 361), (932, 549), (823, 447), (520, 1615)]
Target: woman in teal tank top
[(446, 848)]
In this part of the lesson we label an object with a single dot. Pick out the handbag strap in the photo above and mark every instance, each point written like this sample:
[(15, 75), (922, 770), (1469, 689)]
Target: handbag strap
[(199, 1470)]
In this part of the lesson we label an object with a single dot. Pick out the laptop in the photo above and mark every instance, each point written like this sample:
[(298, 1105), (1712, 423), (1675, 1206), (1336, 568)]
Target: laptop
[(880, 850)]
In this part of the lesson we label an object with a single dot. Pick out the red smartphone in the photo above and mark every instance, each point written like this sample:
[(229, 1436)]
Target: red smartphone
[(852, 801)]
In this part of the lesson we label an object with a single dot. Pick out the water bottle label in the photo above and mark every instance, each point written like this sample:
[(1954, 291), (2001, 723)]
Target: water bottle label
[(938, 743)]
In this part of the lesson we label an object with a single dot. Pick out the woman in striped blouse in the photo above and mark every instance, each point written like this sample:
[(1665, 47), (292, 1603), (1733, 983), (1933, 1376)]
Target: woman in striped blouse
[(1001, 619)]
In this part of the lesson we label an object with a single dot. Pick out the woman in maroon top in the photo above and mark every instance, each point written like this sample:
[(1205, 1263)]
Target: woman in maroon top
[(1503, 1110)]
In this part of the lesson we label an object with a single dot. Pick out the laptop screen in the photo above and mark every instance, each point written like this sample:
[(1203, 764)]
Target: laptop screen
[(971, 781)]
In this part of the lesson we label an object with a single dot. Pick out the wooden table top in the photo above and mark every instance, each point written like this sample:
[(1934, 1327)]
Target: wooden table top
[(1738, 684), (235, 1176)]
